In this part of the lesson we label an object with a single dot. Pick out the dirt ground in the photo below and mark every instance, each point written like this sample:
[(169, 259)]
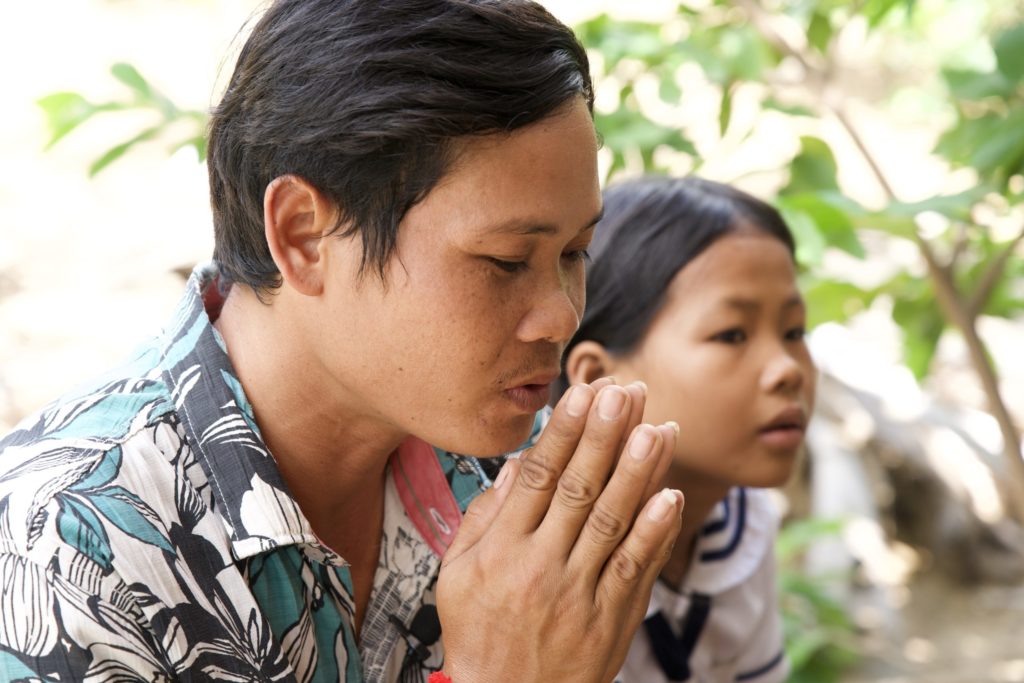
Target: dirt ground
[(946, 633)]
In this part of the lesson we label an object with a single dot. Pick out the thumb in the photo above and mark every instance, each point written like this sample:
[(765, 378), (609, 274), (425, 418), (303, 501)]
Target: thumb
[(482, 511)]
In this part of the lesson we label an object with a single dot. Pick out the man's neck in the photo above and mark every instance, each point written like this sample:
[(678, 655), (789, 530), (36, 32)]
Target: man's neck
[(332, 457)]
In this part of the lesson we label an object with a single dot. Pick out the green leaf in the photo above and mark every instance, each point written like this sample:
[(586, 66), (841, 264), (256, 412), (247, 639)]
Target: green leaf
[(65, 111), (955, 206), (198, 142), (668, 88), (810, 243), (117, 151), (725, 109), (922, 326), (959, 143), (745, 52), (977, 85), (877, 10), (616, 40), (628, 129), (791, 109), (130, 76), (145, 93), (834, 301), (819, 31), (1009, 49), (796, 536), (831, 221), (813, 168), (1000, 154)]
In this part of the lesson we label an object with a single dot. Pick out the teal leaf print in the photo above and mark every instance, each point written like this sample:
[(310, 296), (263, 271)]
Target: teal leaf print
[(105, 417), (13, 669), (104, 472), (79, 526), (130, 514)]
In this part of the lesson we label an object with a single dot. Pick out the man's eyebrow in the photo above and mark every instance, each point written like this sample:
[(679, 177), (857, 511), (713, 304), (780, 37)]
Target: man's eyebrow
[(528, 227)]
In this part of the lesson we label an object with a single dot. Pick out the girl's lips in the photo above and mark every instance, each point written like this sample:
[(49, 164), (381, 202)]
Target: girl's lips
[(529, 397), (783, 438)]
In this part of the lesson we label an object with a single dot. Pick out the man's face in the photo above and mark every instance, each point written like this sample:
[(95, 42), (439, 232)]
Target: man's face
[(458, 344)]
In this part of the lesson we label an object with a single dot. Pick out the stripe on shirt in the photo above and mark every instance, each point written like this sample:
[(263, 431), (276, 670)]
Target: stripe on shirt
[(761, 670), (737, 532)]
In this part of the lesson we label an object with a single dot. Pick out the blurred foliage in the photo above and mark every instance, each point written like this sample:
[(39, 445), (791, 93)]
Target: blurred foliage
[(66, 111), (819, 634), (734, 45)]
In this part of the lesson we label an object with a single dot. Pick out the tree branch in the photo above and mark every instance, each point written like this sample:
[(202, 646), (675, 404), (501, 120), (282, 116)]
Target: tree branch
[(957, 311), (991, 276)]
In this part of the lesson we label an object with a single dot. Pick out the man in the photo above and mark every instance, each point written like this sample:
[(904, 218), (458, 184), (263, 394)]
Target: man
[(403, 193)]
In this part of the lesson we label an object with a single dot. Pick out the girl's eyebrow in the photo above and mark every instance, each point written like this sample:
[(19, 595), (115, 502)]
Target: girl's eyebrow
[(753, 305)]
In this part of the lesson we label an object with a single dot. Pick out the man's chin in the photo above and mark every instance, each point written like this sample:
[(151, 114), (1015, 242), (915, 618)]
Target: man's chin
[(493, 440)]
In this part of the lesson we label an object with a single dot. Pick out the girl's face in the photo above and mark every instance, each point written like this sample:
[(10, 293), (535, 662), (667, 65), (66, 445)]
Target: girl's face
[(726, 359)]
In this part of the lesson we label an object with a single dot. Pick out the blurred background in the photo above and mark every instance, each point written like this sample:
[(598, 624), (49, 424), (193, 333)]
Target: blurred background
[(889, 132)]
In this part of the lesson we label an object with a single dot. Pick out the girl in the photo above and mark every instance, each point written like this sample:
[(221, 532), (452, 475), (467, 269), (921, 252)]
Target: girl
[(693, 290)]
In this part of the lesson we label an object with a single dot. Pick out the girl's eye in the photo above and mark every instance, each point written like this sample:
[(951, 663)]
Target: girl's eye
[(796, 334), (734, 336), (508, 266)]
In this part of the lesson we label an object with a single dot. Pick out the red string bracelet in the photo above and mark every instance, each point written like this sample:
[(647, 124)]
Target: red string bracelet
[(439, 677)]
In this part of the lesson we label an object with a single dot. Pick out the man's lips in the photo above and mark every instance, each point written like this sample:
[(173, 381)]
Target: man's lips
[(541, 378), (532, 393)]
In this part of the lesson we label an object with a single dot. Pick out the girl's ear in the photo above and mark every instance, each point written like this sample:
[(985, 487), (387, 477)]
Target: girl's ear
[(587, 362)]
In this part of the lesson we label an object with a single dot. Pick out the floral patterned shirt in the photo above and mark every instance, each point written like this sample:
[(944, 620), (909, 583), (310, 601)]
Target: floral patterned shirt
[(146, 534)]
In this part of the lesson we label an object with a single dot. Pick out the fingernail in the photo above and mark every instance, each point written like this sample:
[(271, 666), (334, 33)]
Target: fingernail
[(502, 476), (643, 386), (664, 504), (642, 444), (579, 401), (674, 426), (610, 403)]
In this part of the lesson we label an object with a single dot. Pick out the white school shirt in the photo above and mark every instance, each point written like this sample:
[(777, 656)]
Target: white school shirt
[(730, 599)]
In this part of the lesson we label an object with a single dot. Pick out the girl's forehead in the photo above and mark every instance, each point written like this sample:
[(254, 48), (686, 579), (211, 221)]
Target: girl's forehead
[(740, 265)]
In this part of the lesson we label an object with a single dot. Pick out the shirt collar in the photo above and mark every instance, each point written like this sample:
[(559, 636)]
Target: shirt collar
[(733, 542), (253, 500)]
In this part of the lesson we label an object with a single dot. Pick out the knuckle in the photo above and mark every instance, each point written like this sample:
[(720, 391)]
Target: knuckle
[(605, 526), (574, 491), (535, 473), (625, 566), (561, 430)]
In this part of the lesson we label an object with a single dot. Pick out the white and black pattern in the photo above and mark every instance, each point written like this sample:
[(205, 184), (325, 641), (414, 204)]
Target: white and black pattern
[(147, 534)]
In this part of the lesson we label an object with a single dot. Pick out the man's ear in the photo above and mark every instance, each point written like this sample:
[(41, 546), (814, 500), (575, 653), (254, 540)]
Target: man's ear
[(587, 362), (296, 216)]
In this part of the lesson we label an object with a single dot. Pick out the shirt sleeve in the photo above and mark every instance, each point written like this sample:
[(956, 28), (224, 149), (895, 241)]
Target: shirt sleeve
[(764, 658), (53, 629)]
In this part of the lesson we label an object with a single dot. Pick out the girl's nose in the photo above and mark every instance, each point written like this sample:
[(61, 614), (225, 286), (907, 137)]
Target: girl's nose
[(783, 372)]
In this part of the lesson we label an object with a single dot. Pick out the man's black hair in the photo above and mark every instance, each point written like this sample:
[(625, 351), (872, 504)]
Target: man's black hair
[(652, 228), (364, 99)]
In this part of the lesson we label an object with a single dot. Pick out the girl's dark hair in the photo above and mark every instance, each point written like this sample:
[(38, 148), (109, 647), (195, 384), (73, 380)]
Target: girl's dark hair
[(652, 228), (364, 98)]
